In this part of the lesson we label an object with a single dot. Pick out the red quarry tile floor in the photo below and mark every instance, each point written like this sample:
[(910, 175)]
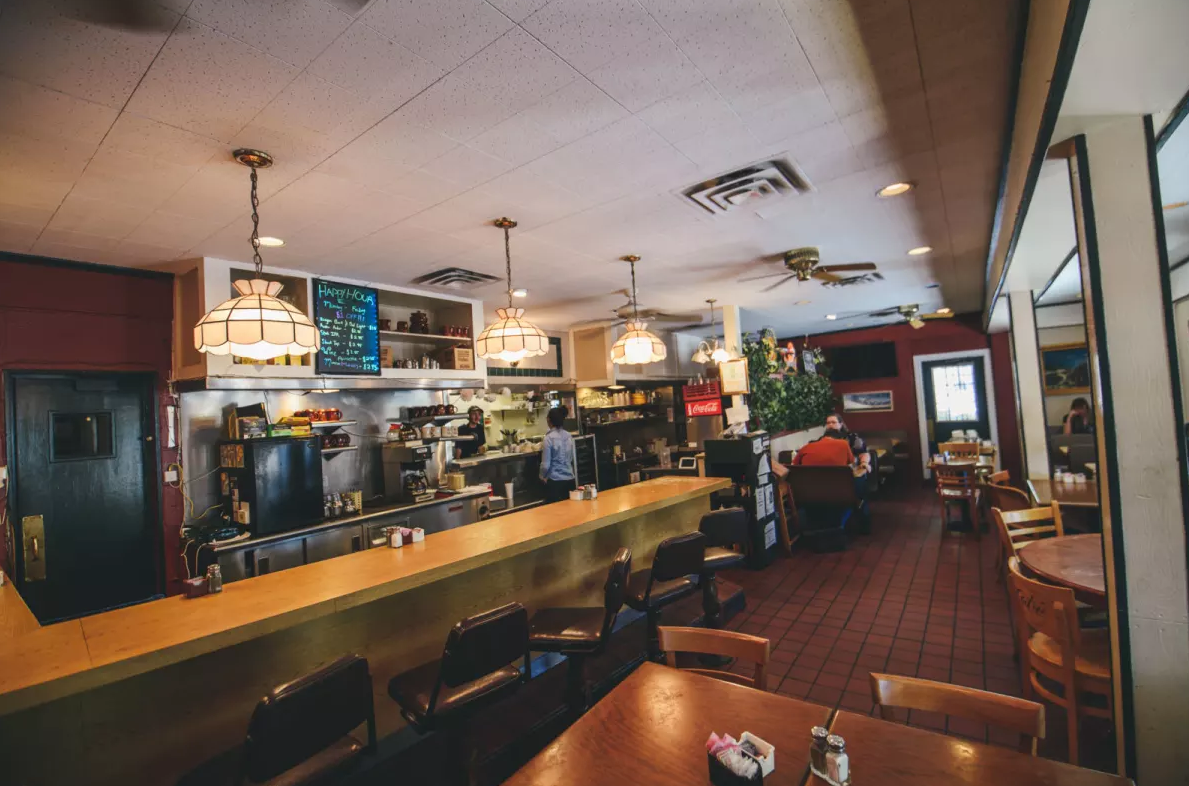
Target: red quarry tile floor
[(903, 600)]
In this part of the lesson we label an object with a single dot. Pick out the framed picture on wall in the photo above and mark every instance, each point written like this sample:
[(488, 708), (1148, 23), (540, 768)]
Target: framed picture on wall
[(733, 374), (870, 401), (1066, 369)]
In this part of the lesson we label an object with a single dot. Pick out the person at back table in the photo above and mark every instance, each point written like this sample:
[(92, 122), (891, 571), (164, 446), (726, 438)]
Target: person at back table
[(857, 446), (1079, 420), (832, 450)]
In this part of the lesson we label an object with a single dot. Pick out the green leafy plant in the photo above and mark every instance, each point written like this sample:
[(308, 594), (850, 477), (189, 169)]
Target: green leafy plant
[(784, 402)]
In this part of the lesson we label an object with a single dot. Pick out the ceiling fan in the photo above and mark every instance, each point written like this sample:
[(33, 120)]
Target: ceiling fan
[(804, 264), (912, 314), (631, 310)]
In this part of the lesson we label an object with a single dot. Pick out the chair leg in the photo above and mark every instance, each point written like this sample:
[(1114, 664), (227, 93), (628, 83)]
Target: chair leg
[(1071, 721), (711, 605), (577, 690), (653, 646)]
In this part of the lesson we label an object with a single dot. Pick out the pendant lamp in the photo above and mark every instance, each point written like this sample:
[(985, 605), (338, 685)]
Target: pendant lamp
[(256, 325), (711, 353), (511, 337), (637, 345)]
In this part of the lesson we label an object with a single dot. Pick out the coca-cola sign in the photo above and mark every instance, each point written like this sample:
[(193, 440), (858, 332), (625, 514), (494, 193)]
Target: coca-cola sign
[(694, 409)]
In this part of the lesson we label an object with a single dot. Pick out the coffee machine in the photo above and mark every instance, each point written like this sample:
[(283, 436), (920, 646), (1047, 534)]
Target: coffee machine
[(404, 472)]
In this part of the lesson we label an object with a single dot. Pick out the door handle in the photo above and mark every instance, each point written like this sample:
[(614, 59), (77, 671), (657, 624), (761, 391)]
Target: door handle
[(33, 537)]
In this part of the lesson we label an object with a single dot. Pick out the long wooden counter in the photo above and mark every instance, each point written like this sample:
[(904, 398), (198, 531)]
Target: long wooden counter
[(125, 672)]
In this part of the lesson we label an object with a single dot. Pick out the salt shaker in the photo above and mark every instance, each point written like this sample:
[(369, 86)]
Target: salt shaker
[(214, 578), (817, 750), (837, 762)]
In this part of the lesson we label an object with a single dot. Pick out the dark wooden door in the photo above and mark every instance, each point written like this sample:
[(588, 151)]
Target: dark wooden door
[(955, 398), (84, 461)]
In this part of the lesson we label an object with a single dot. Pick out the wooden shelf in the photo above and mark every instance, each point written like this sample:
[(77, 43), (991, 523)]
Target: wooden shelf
[(395, 335), (619, 406), (331, 423), (431, 418), (335, 451), (433, 440)]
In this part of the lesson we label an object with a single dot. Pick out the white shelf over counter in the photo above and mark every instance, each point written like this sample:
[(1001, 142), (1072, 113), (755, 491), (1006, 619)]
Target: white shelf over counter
[(395, 335)]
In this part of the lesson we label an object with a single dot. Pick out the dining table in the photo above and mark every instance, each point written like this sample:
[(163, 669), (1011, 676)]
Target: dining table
[(652, 728), (893, 754), (1073, 561), (1077, 495)]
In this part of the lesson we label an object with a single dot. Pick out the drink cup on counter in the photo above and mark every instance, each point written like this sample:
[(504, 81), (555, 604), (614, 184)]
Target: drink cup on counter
[(508, 489)]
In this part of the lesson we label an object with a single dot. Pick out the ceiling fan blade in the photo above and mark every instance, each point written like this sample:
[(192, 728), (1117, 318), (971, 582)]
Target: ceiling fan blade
[(887, 312), (826, 276), (936, 315), (916, 323), (784, 280), (769, 275), (656, 315), (848, 266)]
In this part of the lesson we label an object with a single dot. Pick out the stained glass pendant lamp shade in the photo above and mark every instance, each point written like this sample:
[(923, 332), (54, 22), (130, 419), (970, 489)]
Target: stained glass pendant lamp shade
[(511, 337), (256, 325), (637, 345)]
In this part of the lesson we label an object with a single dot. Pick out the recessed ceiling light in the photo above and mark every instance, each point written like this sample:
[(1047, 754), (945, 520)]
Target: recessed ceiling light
[(519, 292), (895, 189), (831, 316), (271, 242), (946, 310), (916, 252)]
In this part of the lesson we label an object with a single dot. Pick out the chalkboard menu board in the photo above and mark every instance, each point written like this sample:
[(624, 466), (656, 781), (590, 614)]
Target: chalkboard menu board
[(346, 315)]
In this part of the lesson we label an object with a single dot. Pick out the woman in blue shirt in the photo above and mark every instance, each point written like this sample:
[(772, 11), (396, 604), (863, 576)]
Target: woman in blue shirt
[(557, 458)]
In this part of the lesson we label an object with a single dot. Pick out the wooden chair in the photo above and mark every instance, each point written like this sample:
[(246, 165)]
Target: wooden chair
[(1055, 648), (718, 642), (1017, 526), (784, 508), (964, 449), (997, 492), (956, 485), (1027, 717)]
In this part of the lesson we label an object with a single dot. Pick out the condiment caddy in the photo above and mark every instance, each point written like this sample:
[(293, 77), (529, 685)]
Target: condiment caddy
[(736, 762), (828, 758)]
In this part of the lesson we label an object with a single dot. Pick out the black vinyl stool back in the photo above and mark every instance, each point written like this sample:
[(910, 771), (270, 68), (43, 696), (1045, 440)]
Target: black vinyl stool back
[(484, 643), (725, 527), (302, 718), (616, 589), (678, 557)]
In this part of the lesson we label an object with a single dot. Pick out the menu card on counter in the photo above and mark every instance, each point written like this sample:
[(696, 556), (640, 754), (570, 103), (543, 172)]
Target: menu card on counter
[(347, 317)]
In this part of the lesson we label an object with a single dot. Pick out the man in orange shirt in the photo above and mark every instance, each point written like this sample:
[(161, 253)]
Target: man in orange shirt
[(832, 450)]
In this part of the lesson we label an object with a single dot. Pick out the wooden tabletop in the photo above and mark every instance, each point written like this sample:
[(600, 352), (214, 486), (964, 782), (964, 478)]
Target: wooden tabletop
[(892, 754), (982, 462), (1074, 561), (1045, 491), (652, 729), (57, 660)]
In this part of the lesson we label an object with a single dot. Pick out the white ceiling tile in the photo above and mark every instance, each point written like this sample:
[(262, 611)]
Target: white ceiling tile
[(645, 76), (355, 162), (422, 187), (467, 167), (150, 138), (29, 215), (46, 43), (52, 159), (536, 200), (578, 109), (295, 31), (172, 231), (144, 254), (690, 113), (73, 253), (30, 110), (592, 33), (209, 83), (17, 238), (455, 107), (823, 153), (517, 70), (518, 10), (370, 65), (794, 115), (218, 193), (26, 197), (721, 149), (77, 239), (401, 142), (516, 140), (445, 32), (100, 217)]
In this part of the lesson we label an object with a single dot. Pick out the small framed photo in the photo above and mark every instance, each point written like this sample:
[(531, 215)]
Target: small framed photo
[(871, 401), (1066, 369), (733, 374)]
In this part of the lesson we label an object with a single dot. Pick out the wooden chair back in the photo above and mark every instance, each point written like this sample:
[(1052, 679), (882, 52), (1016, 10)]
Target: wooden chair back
[(970, 449), (953, 478), (726, 643), (1002, 478), (1005, 497), (1047, 609), (1034, 521), (818, 485), (890, 691)]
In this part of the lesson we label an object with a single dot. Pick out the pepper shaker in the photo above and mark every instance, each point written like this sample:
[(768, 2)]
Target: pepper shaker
[(817, 751)]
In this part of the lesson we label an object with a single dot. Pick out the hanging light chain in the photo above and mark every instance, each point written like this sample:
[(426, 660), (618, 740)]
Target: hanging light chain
[(256, 258), (508, 259)]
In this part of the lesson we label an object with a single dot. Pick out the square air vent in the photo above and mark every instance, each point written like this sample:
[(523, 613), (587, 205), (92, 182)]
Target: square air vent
[(454, 278), (762, 181)]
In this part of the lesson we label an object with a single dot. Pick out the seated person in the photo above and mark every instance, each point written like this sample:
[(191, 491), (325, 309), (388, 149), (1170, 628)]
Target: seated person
[(1080, 419), (857, 446), (832, 450)]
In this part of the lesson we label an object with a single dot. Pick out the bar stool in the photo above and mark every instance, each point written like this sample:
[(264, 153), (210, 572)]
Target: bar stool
[(667, 581), (300, 733), (726, 532), (583, 632), (477, 669)]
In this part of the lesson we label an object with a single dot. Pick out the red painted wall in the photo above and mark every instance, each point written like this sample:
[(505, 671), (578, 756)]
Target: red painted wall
[(956, 335), (56, 317)]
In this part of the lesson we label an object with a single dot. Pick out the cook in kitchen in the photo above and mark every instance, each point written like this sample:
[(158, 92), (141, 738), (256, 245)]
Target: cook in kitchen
[(472, 428)]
